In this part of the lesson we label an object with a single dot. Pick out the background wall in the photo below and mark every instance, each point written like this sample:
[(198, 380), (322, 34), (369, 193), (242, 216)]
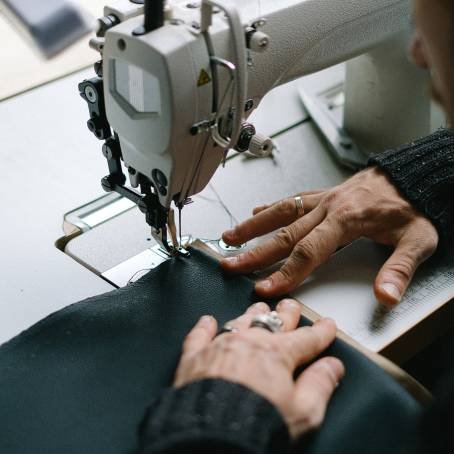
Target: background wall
[(21, 68)]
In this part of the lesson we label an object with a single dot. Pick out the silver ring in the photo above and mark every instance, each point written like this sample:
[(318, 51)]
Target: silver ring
[(227, 329), (271, 322), (299, 204)]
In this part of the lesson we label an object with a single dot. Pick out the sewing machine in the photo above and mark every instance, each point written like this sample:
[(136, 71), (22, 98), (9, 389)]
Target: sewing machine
[(178, 81)]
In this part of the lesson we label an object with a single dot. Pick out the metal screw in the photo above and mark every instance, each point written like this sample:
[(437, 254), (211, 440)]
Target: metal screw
[(249, 105), (90, 93), (264, 42)]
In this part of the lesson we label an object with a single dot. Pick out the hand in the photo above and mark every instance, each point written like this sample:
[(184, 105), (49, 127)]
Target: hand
[(265, 362), (367, 204)]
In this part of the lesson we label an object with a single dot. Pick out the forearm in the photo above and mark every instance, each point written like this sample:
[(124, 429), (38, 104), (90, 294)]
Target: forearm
[(212, 416), (423, 171)]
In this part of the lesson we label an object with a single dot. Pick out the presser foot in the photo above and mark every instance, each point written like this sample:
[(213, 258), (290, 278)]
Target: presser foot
[(171, 249)]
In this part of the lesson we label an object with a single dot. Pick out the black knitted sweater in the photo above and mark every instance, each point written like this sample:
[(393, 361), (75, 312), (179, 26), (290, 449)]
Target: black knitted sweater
[(424, 172), (212, 416)]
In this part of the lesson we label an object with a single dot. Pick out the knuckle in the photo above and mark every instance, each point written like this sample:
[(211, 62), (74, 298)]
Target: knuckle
[(228, 344), (277, 352), (260, 307), (317, 340), (244, 229), (349, 212), (304, 252), (285, 208), (425, 236), (286, 273), (331, 197), (252, 256), (311, 418), (315, 418), (277, 348), (432, 242), (404, 268), (286, 237)]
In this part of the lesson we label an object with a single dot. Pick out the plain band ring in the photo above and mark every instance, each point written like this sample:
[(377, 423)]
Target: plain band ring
[(271, 322), (227, 329), (299, 204)]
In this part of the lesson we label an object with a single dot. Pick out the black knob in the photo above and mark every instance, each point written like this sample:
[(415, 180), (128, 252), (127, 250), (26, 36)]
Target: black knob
[(159, 177)]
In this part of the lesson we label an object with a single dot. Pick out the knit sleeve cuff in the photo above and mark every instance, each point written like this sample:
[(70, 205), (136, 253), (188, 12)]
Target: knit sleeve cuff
[(423, 171), (213, 413)]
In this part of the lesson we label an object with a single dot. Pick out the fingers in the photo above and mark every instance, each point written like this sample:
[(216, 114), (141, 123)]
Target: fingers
[(308, 207), (314, 388), (289, 312), (269, 219), (200, 336), (305, 344), (276, 248), (396, 274), (307, 254), (243, 322)]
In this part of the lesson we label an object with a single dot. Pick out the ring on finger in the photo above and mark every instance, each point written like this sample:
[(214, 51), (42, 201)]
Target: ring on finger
[(299, 205), (227, 329), (271, 322)]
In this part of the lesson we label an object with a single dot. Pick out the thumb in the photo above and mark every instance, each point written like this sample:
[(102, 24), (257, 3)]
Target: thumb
[(314, 388), (397, 272)]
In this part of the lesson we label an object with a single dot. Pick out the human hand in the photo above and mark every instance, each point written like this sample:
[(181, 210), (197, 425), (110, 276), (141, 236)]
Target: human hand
[(265, 362), (367, 204)]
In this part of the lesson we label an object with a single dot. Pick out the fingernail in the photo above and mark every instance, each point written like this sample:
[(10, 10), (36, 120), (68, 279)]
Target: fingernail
[(391, 290), (229, 233), (206, 320), (231, 260), (265, 285), (261, 307), (289, 304), (335, 369)]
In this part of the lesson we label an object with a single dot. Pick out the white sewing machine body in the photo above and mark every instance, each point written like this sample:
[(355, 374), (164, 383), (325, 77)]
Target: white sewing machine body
[(178, 97), (304, 37)]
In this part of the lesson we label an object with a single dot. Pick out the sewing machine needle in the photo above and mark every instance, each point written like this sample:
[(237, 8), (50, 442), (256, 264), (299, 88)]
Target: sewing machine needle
[(179, 223)]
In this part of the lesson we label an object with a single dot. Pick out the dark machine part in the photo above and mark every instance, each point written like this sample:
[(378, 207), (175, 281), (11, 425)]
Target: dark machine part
[(105, 23), (247, 133), (92, 91), (153, 16)]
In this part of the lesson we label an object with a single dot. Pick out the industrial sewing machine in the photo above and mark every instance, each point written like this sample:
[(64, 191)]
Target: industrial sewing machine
[(179, 79)]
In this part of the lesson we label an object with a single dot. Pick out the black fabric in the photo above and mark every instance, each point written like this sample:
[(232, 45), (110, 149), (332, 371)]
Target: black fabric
[(80, 380), (424, 173), (213, 415)]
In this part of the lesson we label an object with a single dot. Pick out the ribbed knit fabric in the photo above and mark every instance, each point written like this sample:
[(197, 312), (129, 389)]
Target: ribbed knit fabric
[(424, 173), (212, 416)]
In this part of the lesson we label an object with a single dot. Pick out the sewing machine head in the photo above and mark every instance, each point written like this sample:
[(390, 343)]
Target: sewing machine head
[(178, 79), (177, 82), (176, 107)]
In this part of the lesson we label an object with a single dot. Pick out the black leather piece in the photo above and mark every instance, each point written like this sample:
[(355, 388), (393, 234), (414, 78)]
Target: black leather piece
[(80, 380)]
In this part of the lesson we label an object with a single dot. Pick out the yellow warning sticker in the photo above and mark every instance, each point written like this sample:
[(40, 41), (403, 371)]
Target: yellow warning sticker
[(204, 78)]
